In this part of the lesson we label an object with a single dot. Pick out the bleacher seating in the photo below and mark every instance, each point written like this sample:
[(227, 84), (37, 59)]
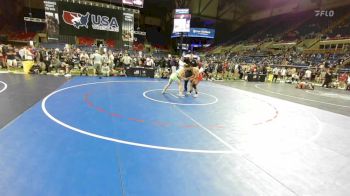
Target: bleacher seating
[(289, 27), (22, 36), (86, 41)]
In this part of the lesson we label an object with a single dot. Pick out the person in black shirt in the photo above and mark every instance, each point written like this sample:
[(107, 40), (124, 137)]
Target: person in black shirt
[(193, 62), (188, 74), (83, 66), (11, 57), (327, 79), (143, 61), (45, 58), (162, 64)]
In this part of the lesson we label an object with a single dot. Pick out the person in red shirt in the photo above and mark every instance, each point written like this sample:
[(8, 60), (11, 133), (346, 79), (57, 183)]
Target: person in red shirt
[(197, 77), (343, 79), (225, 70)]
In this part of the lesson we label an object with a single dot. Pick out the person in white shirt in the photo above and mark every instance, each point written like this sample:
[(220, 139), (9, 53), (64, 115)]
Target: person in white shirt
[(105, 58), (275, 72), (21, 52), (308, 74), (149, 62), (105, 69), (181, 63), (126, 60), (84, 56), (283, 73), (97, 61), (111, 59), (28, 54)]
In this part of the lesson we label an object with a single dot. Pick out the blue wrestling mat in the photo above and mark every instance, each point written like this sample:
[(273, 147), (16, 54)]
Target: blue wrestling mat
[(121, 136)]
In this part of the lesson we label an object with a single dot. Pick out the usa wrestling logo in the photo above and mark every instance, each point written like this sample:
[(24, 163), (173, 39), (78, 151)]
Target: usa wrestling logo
[(98, 22), (76, 19)]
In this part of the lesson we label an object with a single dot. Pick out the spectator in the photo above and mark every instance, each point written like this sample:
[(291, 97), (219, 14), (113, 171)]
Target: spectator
[(348, 83), (11, 57), (126, 60), (111, 59), (150, 61), (343, 79), (327, 79), (283, 73), (275, 72), (105, 70), (55, 64), (97, 61), (83, 65), (308, 75)]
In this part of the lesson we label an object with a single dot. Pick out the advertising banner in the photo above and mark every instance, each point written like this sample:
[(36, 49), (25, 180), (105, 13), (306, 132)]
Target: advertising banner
[(197, 32), (52, 19), (128, 29), (85, 20)]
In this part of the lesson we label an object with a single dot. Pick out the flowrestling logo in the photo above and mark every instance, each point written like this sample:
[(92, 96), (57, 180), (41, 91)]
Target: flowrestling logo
[(98, 22), (326, 13)]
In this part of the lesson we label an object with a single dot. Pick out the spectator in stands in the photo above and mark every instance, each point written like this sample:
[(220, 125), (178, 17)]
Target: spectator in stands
[(348, 83), (21, 52), (150, 61), (327, 79), (83, 65), (55, 64), (225, 70), (116, 60), (97, 61), (308, 75), (68, 64), (46, 58), (126, 60), (11, 57), (275, 72), (210, 70), (162, 67), (343, 79), (84, 56), (283, 73), (219, 71), (134, 61), (111, 60), (104, 57), (105, 69), (39, 64)]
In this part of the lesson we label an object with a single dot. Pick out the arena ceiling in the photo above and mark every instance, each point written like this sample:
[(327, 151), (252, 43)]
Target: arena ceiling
[(235, 12)]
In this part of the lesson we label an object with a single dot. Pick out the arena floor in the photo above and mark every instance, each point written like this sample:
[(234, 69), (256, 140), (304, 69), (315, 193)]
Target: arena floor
[(121, 136)]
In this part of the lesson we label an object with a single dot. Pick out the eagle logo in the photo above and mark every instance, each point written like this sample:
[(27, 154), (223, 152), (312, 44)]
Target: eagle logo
[(76, 19)]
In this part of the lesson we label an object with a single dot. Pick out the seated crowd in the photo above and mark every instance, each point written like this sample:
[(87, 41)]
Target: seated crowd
[(288, 66)]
